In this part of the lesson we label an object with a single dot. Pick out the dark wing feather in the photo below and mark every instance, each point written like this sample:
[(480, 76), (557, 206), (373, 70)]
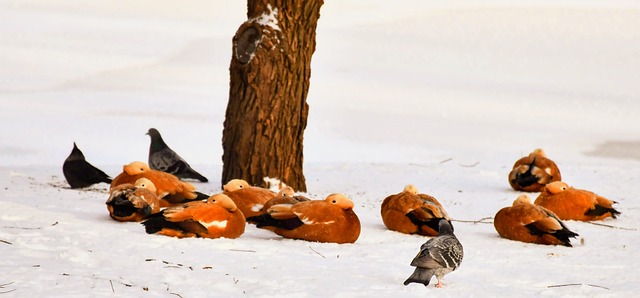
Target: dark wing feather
[(439, 252)]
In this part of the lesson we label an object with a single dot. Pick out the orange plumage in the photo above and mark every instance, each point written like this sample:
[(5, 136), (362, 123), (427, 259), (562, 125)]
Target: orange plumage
[(411, 212), (215, 218), (133, 202), (531, 223), (249, 199), (169, 188), (531, 173), (330, 220), (569, 203)]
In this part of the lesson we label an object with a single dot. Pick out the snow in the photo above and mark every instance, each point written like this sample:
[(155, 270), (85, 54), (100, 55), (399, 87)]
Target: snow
[(268, 19), (442, 94)]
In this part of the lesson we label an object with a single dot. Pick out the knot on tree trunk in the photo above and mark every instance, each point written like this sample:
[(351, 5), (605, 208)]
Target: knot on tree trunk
[(246, 42)]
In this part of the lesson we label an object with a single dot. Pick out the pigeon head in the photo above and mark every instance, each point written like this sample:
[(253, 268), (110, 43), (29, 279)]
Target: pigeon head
[(445, 227), (157, 143), (153, 132)]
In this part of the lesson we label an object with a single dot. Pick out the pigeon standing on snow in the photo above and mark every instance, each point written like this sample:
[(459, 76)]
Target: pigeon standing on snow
[(162, 158), (439, 255), (80, 173)]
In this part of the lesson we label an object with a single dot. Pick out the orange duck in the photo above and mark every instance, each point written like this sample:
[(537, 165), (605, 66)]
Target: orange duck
[(569, 203), (531, 223), (217, 217), (170, 189), (330, 220), (531, 173), (411, 212), (133, 202), (249, 199)]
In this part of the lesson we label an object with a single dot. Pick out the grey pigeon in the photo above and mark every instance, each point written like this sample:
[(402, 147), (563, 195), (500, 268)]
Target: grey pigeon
[(439, 255), (162, 158), (80, 173)]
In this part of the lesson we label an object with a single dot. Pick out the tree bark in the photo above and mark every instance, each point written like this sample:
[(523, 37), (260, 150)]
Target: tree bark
[(267, 110)]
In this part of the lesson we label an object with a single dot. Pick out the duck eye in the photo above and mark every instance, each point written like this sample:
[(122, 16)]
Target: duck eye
[(334, 201)]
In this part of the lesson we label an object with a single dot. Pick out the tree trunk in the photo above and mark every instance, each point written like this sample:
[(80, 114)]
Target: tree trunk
[(267, 110)]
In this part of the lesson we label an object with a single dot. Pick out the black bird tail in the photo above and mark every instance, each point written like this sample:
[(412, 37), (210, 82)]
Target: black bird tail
[(562, 235), (265, 220), (600, 210), (156, 222)]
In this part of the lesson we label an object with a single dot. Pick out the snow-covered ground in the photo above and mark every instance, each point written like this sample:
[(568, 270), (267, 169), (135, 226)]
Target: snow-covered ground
[(444, 95)]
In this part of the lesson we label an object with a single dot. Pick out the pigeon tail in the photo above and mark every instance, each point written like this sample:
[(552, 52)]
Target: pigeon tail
[(421, 276), (192, 174)]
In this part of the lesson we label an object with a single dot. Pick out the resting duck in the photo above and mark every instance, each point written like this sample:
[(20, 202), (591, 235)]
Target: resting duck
[(570, 203), (217, 217), (169, 188), (531, 223), (133, 202), (249, 199), (330, 220), (411, 212), (531, 173)]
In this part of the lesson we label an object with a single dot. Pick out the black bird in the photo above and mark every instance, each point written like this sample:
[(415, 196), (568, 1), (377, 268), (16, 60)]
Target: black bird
[(439, 255), (162, 158), (79, 173)]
